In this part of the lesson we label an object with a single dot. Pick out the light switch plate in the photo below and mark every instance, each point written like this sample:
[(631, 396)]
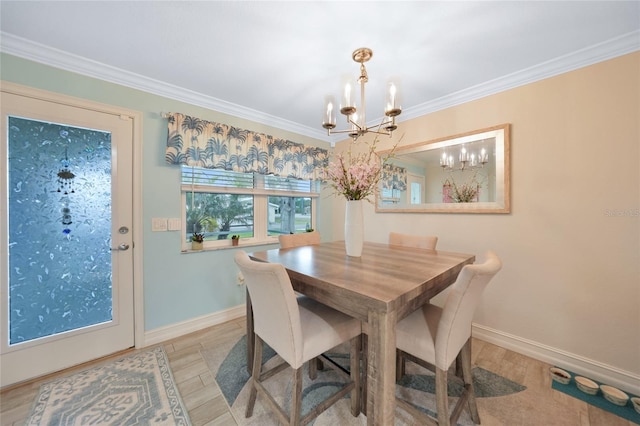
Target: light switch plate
[(174, 223), (159, 224)]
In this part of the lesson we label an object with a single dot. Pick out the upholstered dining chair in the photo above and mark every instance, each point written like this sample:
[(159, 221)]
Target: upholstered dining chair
[(418, 241), (297, 240), (433, 337), (297, 329), (286, 241)]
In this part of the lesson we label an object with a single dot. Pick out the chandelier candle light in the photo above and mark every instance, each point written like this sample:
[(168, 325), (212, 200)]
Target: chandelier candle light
[(467, 159), (356, 117)]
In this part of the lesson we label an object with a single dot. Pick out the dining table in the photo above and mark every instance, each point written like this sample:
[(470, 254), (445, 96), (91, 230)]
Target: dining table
[(382, 286)]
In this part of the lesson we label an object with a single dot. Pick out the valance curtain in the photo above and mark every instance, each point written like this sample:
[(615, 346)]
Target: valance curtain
[(394, 177), (195, 142)]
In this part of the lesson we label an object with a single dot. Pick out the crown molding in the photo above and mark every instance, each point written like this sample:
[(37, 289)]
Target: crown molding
[(56, 58), (622, 45)]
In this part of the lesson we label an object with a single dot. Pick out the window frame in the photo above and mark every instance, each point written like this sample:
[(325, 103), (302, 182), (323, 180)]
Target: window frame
[(260, 210)]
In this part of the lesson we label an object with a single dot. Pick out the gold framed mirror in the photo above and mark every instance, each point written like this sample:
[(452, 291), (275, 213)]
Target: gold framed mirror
[(465, 173)]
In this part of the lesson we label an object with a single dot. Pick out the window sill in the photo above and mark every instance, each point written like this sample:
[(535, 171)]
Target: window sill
[(239, 246)]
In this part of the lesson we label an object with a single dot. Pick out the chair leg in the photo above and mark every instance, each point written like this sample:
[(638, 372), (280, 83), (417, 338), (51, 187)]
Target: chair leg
[(465, 355), (255, 375), (315, 365), (296, 398), (250, 333), (313, 368), (442, 398), (458, 365)]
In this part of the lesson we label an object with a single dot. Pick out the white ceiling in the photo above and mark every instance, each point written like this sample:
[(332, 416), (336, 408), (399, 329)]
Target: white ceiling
[(273, 62)]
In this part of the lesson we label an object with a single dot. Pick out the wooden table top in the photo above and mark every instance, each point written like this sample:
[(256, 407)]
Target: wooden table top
[(385, 278)]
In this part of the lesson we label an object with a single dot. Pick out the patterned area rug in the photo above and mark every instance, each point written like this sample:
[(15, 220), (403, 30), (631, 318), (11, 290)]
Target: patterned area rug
[(136, 390), (228, 362)]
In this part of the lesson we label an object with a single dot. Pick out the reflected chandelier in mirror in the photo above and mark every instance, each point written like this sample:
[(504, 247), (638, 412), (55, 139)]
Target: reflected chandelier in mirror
[(465, 173)]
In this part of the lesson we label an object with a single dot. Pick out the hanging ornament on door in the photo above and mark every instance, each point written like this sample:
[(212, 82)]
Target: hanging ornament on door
[(65, 176), (65, 187), (66, 218)]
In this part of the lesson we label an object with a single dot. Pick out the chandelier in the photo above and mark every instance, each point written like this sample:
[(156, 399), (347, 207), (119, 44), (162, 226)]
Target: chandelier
[(356, 117)]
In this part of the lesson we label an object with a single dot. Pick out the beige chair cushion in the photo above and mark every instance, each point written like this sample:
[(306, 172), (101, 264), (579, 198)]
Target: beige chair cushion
[(435, 334), (418, 241), (416, 333), (324, 328), (297, 240)]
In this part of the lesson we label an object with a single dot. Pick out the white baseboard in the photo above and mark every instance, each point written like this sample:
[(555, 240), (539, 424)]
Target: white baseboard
[(604, 373), (159, 335)]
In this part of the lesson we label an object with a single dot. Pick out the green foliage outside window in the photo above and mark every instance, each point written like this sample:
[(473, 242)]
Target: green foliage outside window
[(218, 212)]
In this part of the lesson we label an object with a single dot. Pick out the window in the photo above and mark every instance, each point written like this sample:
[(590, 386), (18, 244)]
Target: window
[(220, 203), (289, 215)]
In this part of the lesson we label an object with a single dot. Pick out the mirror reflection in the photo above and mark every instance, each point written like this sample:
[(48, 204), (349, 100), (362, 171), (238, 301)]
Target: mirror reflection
[(467, 173)]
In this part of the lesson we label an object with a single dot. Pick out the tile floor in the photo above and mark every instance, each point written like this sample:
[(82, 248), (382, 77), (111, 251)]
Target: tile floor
[(539, 405)]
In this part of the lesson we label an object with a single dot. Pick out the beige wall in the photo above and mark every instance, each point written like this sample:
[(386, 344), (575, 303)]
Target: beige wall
[(569, 291)]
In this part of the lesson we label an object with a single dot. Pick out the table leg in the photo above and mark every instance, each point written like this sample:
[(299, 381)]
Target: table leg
[(381, 375), (250, 334)]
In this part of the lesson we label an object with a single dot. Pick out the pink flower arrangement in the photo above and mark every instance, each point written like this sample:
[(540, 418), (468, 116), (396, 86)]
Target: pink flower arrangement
[(356, 176), (462, 193)]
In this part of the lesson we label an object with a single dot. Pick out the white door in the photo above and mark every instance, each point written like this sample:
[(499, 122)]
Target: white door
[(66, 235), (416, 191)]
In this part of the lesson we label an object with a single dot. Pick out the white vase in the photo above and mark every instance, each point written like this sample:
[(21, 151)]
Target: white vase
[(353, 228)]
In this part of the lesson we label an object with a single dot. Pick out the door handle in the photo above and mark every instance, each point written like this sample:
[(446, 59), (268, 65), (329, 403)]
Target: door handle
[(122, 247)]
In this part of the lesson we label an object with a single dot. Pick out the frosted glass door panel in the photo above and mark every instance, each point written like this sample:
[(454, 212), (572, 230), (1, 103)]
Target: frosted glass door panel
[(59, 228)]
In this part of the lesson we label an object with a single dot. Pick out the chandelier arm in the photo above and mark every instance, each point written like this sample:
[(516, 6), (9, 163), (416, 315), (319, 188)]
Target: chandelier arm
[(362, 130), (349, 120), (379, 132), (384, 121), (335, 132)]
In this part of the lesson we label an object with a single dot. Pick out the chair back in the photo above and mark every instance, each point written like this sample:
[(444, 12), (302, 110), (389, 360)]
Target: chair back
[(418, 241), (297, 240), (275, 308), (454, 328)]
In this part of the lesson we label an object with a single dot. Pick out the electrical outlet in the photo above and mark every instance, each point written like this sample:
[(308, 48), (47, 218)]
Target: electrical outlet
[(159, 224)]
